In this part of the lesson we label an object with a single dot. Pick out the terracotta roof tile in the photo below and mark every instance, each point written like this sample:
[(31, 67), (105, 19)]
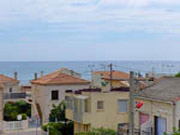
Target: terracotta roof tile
[(59, 78), (6, 79), (115, 74)]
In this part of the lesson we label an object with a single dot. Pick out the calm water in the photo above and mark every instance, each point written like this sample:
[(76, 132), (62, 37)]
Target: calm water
[(26, 70)]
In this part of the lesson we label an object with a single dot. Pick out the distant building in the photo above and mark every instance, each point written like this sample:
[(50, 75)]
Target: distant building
[(93, 108), (161, 109), (7, 85), (10, 85), (50, 89), (101, 79)]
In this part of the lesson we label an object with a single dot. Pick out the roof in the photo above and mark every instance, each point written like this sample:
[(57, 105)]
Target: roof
[(167, 89), (115, 74), (59, 78), (5, 79)]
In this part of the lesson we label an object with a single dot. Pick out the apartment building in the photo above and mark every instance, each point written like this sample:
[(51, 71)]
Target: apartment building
[(94, 108)]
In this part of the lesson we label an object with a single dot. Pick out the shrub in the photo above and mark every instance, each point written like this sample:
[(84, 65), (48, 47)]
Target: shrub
[(12, 110), (99, 131), (59, 128)]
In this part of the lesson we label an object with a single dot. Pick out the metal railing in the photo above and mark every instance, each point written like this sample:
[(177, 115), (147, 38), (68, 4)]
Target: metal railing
[(15, 96)]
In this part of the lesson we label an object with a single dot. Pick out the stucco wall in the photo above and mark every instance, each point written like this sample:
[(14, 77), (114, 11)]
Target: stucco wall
[(43, 96), (7, 86), (109, 117)]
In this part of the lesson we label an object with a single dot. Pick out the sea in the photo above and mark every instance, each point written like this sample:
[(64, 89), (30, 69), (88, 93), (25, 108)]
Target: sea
[(26, 70)]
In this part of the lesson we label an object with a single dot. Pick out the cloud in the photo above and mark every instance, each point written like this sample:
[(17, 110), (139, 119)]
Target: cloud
[(92, 15)]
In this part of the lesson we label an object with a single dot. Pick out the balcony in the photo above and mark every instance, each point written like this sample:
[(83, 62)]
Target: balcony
[(81, 117), (10, 96), (78, 109)]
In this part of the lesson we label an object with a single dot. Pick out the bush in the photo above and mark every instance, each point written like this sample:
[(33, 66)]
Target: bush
[(12, 110), (59, 128), (99, 131)]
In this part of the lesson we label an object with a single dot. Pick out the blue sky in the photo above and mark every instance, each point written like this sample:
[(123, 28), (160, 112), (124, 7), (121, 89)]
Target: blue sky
[(56, 30)]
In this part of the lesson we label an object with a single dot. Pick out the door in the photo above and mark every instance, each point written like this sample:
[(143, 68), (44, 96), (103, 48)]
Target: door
[(160, 125)]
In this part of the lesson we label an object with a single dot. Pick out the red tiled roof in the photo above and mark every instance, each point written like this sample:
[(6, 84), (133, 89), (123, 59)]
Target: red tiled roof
[(59, 78), (115, 74), (6, 79)]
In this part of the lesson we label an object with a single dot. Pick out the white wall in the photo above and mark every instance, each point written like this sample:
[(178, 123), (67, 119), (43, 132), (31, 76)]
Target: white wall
[(7, 86)]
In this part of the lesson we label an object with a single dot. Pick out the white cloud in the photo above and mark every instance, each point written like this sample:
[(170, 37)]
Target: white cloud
[(127, 15)]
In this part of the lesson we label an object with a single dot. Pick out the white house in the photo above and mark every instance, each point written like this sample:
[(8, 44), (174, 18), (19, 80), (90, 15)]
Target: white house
[(50, 89)]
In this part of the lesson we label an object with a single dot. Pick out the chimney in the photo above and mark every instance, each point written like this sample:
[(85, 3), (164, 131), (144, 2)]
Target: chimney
[(139, 75), (42, 73), (35, 76), (147, 76), (15, 75), (72, 73)]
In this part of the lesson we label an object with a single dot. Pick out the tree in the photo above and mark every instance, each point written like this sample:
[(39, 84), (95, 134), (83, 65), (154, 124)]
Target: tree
[(58, 113), (59, 125), (177, 75)]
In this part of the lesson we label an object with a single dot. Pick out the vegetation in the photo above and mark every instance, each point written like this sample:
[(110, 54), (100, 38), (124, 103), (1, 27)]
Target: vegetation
[(13, 109), (177, 75), (99, 131), (58, 113), (59, 128), (175, 132), (58, 125)]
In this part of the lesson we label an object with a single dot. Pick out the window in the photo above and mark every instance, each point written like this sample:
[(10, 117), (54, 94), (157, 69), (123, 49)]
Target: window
[(55, 95), (10, 90), (100, 105), (122, 106)]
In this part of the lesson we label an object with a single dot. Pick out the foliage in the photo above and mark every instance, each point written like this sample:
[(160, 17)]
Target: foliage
[(58, 113), (59, 128), (63, 127), (177, 75), (175, 132), (99, 131), (11, 110)]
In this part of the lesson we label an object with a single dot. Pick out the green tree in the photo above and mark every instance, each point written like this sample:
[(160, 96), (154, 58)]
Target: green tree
[(59, 125), (177, 75), (58, 113)]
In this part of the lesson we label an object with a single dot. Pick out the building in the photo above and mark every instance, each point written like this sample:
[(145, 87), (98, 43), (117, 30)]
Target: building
[(93, 108), (10, 85), (50, 89), (161, 109), (102, 79)]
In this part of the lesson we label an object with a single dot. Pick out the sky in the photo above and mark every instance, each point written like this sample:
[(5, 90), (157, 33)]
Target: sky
[(73, 30)]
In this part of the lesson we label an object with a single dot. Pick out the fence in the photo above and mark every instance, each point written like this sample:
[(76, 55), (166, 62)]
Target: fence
[(15, 125)]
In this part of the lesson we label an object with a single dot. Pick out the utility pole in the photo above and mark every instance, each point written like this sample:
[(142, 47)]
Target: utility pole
[(131, 103), (111, 75), (91, 68)]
